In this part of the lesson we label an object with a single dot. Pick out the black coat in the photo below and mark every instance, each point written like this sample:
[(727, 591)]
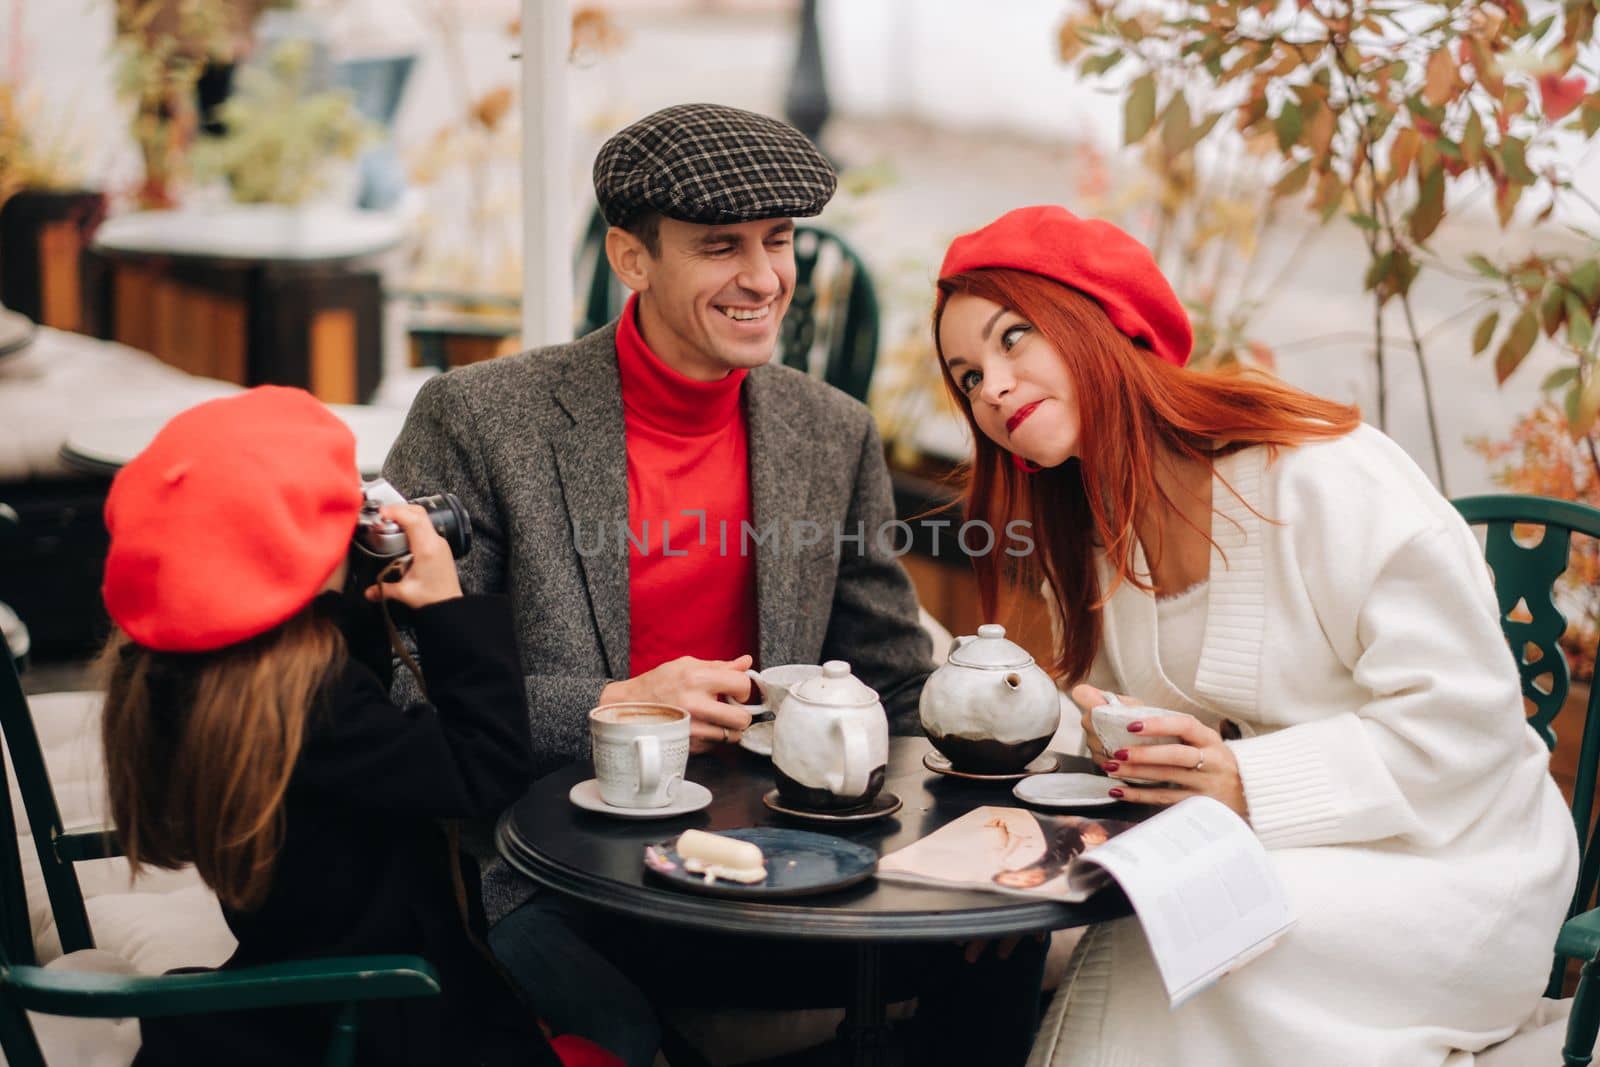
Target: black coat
[(365, 868)]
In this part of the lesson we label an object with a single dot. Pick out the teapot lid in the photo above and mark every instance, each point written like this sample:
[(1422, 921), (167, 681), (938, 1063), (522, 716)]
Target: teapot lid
[(835, 687), (990, 650)]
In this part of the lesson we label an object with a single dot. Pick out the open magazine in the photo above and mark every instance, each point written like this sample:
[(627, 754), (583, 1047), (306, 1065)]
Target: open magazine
[(1195, 873)]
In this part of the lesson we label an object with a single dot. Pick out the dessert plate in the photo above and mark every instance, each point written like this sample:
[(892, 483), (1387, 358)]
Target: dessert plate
[(799, 863)]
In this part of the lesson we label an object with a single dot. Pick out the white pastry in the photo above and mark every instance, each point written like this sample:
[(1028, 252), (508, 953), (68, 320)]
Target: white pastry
[(721, 857)]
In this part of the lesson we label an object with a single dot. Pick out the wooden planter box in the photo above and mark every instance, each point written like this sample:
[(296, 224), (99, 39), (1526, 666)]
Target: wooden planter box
[(452, 329), (317, 325), (43, 236)]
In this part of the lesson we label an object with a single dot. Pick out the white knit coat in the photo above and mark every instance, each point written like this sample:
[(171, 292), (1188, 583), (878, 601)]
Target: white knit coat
[(1353, 636)]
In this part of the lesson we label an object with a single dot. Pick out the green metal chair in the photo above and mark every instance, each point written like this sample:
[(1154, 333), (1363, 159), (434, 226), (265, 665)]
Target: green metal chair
[(1527, 574), (830, 330), (25, 987)]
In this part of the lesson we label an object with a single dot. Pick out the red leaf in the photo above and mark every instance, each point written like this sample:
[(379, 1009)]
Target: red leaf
[(1560, 95)]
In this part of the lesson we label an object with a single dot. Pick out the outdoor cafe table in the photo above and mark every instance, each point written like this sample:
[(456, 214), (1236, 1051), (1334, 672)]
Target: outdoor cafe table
[(600, 860)]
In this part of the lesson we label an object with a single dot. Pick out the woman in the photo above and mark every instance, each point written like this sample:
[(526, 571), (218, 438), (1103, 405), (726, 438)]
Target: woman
[(1226, 546), (248, 730)]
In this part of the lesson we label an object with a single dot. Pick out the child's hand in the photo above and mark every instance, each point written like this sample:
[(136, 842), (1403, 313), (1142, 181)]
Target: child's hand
[(432, 575)]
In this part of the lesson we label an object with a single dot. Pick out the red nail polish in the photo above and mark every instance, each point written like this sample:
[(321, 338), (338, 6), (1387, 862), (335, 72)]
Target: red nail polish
[(1135, 727), (1120, 753), (1117, 793), (1108, 767)]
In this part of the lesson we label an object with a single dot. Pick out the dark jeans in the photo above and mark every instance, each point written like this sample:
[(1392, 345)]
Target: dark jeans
[(598, 975)]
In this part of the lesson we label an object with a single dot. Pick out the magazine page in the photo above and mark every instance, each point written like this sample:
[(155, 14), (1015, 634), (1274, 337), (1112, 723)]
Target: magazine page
[(1204, 891), (1007, 850)]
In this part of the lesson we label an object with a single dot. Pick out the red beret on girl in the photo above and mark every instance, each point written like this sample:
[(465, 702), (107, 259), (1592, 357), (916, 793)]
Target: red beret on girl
[(1091, 256), (230, 521)]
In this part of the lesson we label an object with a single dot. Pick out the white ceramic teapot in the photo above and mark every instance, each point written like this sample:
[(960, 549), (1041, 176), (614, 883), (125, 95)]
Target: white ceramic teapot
[(830, 742), (990, 709)]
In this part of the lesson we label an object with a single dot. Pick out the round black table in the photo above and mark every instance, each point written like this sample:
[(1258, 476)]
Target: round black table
[(600, 860)]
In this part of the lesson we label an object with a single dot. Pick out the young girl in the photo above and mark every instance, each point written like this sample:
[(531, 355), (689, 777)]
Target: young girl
[(1227, 546), (248, 731)]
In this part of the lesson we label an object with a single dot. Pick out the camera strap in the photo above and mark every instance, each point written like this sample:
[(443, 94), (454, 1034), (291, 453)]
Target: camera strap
[(452, 827)]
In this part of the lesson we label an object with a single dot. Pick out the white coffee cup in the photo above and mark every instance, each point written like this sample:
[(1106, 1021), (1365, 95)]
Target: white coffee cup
[(775, 683), (1110, 721), (640, 752)]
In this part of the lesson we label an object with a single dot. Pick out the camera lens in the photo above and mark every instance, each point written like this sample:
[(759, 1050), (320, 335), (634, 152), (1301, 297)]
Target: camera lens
[(449, 518)]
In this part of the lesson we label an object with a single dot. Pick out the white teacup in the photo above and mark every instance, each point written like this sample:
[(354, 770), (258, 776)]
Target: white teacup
[(775, 683), (1111, 721), (640, 752)]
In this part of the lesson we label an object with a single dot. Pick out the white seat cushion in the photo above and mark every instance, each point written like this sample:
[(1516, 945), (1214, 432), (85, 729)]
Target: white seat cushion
[(1536, 1044), (158, 921)]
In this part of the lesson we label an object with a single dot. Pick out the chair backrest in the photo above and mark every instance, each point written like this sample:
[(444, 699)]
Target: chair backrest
[(26, 987), (830, 330), (56, 849), (1525, 577)]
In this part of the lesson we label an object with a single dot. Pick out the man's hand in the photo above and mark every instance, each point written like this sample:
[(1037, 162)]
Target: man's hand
[(697, 686)]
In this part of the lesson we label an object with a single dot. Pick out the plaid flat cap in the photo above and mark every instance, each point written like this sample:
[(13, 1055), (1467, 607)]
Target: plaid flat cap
[(711, 164)]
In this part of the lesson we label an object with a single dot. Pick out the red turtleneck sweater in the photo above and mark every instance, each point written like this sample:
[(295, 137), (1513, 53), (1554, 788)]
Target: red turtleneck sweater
[(687, 452)]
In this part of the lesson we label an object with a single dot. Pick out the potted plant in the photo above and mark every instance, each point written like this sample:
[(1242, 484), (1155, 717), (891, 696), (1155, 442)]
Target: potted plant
[(1373, 111), (279, 137), (162, 49), (47, 218)]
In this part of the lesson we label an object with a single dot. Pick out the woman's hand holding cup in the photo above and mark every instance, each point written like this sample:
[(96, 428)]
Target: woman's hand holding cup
[(1191, 760)]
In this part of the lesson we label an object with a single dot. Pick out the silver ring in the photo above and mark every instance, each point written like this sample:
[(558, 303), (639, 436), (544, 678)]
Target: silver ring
[(1200, 763)]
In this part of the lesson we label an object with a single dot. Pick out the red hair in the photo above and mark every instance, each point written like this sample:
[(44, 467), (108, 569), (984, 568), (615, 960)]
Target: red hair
[(1132, 407)]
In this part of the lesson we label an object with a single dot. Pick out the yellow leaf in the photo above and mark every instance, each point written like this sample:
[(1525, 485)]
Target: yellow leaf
[(1329, 195), (1484, 332), (1442, 78), (1320, 135), (1176, 132), (1484, 63), (1140, 110), (1403, 152), (1430, 205), (1588, 404), (1294, 181), (1068, 43), (1524, 331)]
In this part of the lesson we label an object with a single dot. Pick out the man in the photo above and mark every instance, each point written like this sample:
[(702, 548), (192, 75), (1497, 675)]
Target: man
[(665, 505)]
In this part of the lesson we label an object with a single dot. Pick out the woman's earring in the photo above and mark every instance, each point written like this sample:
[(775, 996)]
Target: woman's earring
[(1026, 466)]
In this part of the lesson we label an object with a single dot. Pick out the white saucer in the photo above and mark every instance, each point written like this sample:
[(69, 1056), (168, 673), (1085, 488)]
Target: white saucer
[(692, 796), (758, 739), (1065, 790)]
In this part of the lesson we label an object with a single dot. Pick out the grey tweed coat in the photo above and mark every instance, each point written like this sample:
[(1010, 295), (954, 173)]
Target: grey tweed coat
[(534, 446)]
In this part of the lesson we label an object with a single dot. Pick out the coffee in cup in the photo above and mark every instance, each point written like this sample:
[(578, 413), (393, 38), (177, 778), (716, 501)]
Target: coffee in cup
[(640, 752)]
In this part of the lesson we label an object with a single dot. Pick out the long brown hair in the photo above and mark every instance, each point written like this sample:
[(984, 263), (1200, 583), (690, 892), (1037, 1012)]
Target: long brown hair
[(1132, 409), (200, 747)]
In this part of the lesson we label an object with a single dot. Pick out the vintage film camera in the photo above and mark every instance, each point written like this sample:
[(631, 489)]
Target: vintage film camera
[(378, 548)]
